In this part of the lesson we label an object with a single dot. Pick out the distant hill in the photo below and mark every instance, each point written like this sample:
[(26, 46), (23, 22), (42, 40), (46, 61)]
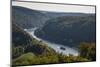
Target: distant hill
[(28, 18), (69, 30)]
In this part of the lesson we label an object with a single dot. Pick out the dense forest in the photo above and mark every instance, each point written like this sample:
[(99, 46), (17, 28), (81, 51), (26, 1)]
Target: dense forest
[(71, 29), (25, 16), (27, 51)]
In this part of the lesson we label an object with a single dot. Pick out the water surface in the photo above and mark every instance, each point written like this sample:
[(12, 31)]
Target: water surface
[(57, 47)]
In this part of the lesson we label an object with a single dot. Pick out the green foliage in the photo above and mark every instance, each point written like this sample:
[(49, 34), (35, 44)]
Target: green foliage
[(25, 59), (70, 58), (87, 53), (76, 59), (30, 58), (17, 51), (32, 51), (88, 50)]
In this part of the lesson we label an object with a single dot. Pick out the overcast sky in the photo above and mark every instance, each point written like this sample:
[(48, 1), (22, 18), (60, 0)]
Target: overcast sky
[(56, 7)]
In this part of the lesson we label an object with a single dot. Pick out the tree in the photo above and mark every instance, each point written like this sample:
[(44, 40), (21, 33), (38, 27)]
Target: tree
[(88, 50)]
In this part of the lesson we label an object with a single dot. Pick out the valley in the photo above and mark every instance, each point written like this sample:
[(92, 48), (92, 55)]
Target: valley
[(45, 37), (56, 47)]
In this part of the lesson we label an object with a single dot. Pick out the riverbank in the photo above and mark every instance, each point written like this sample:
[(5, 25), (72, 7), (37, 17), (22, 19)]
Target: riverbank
[(57, 47)]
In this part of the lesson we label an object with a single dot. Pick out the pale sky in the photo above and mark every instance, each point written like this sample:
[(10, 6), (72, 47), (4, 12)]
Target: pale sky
[(55, 7)]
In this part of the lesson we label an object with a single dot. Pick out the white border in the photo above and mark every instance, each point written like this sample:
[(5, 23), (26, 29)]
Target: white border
[(5, 33)]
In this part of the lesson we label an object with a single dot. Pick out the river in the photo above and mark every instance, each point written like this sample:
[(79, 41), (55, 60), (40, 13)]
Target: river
[(57, 47)]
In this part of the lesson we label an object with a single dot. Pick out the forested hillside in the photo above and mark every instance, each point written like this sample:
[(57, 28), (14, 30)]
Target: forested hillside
[(23, 45), (26, 51), (69, 30), (28, 18)]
